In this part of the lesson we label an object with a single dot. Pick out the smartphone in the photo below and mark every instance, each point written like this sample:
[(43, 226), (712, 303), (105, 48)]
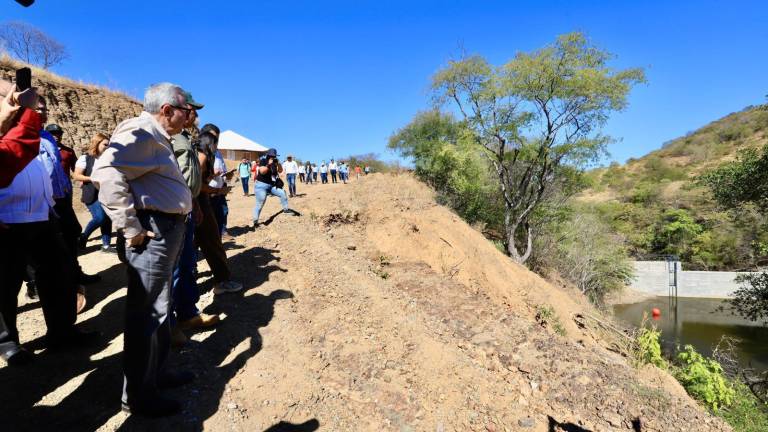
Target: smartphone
[(23, 78)]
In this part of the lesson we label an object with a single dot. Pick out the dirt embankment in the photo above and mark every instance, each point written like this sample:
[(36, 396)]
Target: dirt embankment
[(375, 310), (82, 110)]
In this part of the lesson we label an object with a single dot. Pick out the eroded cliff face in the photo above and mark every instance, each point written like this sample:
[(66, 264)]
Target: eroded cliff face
[(82, 110)]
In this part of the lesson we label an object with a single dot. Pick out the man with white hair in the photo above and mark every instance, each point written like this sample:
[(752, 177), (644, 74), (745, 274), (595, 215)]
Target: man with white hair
[(145, 195)]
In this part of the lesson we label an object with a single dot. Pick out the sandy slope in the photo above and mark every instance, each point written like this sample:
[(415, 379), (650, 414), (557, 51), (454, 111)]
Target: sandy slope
[(375, 310)]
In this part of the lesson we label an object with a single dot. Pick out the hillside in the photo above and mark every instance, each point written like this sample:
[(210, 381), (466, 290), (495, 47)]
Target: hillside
[(655, 203), (82, 110), (376, 310)]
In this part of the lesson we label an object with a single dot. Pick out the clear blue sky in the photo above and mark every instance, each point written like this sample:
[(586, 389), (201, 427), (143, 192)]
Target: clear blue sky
[(321, 79)]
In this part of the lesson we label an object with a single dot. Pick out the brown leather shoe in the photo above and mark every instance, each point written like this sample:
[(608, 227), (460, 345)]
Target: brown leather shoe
[(200, 321)]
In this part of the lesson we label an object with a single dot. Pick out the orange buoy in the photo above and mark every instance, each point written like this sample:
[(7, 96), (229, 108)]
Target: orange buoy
[(656, 313)]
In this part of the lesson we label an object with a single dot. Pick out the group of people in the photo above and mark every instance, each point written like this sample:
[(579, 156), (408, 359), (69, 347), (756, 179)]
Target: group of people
[(161, 184), (306, 172)]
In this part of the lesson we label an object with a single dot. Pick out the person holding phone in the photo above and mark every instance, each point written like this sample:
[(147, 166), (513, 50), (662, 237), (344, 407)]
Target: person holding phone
[(28, 235), (19, 140), (267, 181)]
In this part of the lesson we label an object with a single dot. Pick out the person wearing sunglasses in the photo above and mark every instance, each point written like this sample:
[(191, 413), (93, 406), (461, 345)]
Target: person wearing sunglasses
[(145, 195)]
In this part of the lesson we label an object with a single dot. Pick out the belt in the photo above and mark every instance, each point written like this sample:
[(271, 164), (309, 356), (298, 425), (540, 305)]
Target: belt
[(157, 213)]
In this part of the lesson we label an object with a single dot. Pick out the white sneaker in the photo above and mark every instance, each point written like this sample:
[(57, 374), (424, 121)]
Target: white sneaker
[(227, 287)]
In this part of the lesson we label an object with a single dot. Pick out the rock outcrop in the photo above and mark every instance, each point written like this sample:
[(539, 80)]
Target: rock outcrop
[(82, 110)]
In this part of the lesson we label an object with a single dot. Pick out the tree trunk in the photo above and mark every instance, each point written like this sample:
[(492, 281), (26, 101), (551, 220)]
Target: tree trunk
[(512, 247)]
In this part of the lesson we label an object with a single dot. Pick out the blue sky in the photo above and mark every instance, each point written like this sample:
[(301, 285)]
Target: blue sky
[(321, 79)]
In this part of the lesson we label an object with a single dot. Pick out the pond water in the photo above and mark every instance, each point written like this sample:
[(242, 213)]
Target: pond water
[(699, 323)]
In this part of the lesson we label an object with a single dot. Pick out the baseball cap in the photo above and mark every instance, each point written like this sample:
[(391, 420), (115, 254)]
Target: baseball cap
[(191, 101), (54, 129)]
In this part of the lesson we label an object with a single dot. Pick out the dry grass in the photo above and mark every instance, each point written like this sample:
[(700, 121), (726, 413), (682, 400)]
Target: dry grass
[(6, 62)]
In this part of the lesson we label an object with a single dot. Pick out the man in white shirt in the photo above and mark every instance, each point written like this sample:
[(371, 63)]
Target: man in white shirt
[(291, 168), (302, 173), (333, 169), (323, 173)]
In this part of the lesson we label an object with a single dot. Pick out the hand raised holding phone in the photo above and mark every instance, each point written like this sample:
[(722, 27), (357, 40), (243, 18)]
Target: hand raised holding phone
[(11, 101)]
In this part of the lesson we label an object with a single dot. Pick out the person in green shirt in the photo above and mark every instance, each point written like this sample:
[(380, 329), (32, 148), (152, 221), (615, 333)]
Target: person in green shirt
[(185, 291), (244, 169)]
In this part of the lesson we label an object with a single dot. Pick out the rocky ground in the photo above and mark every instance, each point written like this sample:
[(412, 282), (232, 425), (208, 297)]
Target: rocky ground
[(375, 310)]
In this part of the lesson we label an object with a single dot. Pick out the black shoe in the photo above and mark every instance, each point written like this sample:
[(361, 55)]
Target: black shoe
[(18, 356), (169, 380), (87, 279), (108, 249), (31, 291), (255, 224), (291, 212), (154, 408), (73, 340)]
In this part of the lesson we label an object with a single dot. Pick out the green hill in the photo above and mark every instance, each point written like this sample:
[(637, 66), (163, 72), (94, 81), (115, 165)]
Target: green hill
[(655, 203)]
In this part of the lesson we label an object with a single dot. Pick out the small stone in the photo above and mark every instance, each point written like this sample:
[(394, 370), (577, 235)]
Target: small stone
[(351, 247), (232, 406), (526, 422), (534, 385)]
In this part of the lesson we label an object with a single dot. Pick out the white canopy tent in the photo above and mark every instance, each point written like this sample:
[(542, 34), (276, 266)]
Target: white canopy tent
[(234, 146)]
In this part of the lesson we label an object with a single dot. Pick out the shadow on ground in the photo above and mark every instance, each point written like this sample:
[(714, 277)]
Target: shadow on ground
[(84, 386)]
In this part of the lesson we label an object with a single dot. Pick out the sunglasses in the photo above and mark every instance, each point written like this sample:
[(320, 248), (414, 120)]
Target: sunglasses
[(186, 110)]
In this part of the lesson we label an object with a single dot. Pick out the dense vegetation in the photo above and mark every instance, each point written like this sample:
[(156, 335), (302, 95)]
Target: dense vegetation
[(516, 151), (738, 185), (659, 205), (723, 393)]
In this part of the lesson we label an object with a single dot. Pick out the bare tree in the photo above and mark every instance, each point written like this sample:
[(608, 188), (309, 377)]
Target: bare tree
[(29, 44)]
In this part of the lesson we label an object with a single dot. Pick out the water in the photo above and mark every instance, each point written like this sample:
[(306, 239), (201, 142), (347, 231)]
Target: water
[(701, 325)]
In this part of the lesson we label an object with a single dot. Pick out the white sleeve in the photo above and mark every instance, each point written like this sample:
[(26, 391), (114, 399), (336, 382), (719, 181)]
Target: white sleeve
[(81, 163)]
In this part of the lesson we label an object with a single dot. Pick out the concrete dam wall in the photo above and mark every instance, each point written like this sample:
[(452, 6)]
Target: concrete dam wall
[(653, 277)]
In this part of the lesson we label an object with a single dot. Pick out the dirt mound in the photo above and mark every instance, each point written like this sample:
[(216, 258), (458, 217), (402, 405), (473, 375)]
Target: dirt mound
[(375, 310), (82, 110)]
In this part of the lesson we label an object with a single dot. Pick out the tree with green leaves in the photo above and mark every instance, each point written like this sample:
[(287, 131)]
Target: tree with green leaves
[(741, 182), (446, 157), (738, 184), (536, 119)]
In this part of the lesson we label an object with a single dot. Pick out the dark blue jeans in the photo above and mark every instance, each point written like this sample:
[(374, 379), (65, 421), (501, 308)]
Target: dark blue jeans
[(244, 181), (99, 219), (185, 291), (291, 183), (220, 210)]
